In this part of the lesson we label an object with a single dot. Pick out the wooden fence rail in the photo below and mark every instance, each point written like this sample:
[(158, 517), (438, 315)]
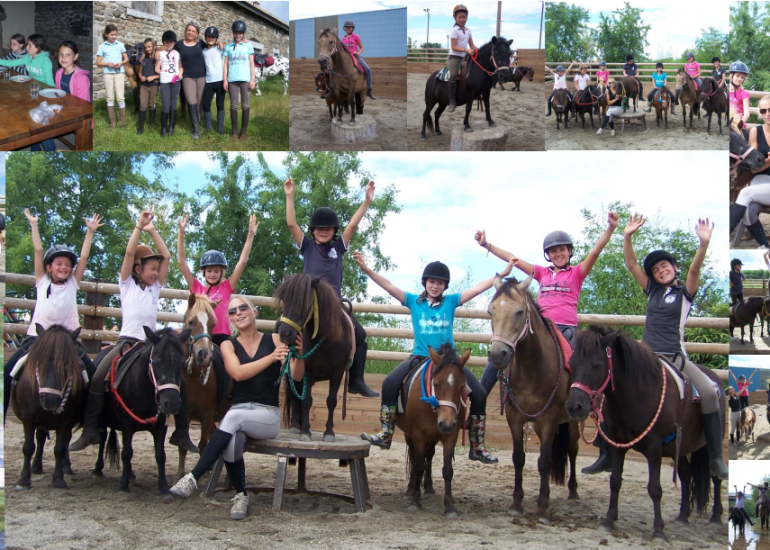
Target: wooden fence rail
[(422, 62), (388, 76)]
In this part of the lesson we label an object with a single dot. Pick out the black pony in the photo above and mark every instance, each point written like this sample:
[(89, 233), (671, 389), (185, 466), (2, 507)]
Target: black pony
[(742, 155), (714, 100), (738, 520), (744, 314), (310, 304), (490, 65), (587, 101), (149, 391), (517, 74)]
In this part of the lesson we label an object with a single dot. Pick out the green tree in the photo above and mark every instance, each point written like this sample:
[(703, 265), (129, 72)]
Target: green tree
[(621, 33), (568, 36), (432, 45), (611, 289), (711, 43)]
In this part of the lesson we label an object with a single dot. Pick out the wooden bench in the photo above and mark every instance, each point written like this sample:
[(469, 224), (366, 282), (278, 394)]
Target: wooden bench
[(629, 117), (288, 446)]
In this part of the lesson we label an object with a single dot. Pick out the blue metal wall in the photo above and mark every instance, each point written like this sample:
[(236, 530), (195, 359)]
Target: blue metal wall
[(759, 382), (304, 38)]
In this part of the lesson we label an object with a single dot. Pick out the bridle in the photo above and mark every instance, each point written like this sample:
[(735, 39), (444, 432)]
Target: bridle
[(432, 401), (492, 60), (312, 314), (594, 98), (204, 375), (331, 62), (63, 394), (739, 159), (595, 394)]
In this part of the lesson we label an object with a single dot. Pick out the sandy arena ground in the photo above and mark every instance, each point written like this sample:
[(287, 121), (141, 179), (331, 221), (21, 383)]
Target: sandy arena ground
[(520, 112), (310, 125), (634, 138), (760, 449), (91, 514)]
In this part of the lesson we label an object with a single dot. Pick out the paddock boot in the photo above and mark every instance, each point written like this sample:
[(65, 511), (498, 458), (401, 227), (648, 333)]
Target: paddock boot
[(152, 118), (384, 438), (369, 94), (140, 124), (195, 133), (356, 383), (163, 124), (244, 123), (476, 435), (234, 122), (122, 112), (732, 439), (90, 435), (452, 97), (604, 462), (712, 429), (111, 112), (207, 117), (221, 123), (758, 232), (171, 122)]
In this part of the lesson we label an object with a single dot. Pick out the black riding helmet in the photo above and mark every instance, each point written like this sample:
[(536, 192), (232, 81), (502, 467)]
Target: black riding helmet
[(324, 217), (168, 36), (556, 238), (213, 258), (658, 65), (211, 31), (735, 262), (59, 250), (654, 257), (239, 26), (715, 58), (435, 270), (629, 57)]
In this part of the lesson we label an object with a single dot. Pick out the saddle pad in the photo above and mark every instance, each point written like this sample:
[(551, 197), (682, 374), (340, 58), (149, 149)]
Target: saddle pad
[(677, 376), (443, 75), (566, 347), (124, 363), (406, 386)]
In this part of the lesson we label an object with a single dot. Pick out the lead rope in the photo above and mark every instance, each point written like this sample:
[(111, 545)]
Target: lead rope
[(286, 368)]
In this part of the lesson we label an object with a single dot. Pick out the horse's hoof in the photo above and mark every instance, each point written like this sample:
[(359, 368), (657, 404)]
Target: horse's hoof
[(605, 528), (429, 491), (451, 514), (493, 124), (515, 511), (423, 138), (682, 519), (545, 520), (97, 473), (166, 499), (305, 437), (439, 133), (293, 430), (328, 438), (414, 507), (22, 487), (573, 496), (59, 484), (468, 129), (659, 535), (715, 521), (125, 491)]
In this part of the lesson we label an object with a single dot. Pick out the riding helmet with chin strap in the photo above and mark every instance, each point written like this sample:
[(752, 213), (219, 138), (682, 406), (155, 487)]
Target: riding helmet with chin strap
[(239, 26), (734, 262), (556, 238), (689, 55), (560, 69), (349, 23), (629, 57), (213, 258), (168, 36), (435, 270), (739, 67), (211, 31), (459, 8), (658, 65), (655, 257), (324, 217), (59, 250)]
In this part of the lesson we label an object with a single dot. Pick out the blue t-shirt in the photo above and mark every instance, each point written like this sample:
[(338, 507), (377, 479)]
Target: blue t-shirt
[(432, 326), (659, 79), (238, 69), (111, 53)]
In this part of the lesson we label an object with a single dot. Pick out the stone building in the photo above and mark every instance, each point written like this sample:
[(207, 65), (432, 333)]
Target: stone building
[(139, 20)]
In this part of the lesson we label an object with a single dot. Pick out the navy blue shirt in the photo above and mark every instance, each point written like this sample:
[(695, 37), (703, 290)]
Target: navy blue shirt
[(667, 311), (65, 81), (325, 260), (630, 69), (736, 282)]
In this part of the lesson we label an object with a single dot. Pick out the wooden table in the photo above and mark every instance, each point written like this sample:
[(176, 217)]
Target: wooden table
[(18, 130), (286, 446), (627, 117)]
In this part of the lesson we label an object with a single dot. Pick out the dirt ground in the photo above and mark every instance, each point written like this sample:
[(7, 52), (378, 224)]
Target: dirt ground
[(310, 130), (91, 514), (634, 138), (760, 449), (520, 112), (761, 345)]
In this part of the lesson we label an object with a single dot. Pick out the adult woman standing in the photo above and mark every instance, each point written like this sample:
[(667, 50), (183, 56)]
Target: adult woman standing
[(191, 53)]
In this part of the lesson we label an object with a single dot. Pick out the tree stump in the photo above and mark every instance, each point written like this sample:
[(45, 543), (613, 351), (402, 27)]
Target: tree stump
[(488, 139), (364, 130)]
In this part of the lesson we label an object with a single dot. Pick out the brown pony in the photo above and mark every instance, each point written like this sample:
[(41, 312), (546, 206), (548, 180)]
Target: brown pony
[(688, 95), (764, 515), (49, 395), (746, 424), (202, 384), (425, 424), (525, 345), (322, 86), (662, 101), (714, 101), (630, 88), (347, 80), (561, 105)]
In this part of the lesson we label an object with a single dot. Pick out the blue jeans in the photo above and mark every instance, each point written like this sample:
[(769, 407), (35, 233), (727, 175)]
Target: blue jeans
[(47, 145)]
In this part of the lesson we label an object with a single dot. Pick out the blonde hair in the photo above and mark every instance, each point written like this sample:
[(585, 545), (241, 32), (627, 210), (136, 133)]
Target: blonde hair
[(233, 329), (765, 99), (192, 24)]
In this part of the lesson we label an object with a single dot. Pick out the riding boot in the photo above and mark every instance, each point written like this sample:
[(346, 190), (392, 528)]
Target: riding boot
[(111, 112), (207, 117), (736, 215), (122, 112), (356, 383), (549, 108), (90, 435), (181, 436), (328, 94), (604, 462), (152, 118), (713, 424), (478, 450), (221, 122), (452, 97), (195, 133), (369, 94), (732, 439), (758, 232), (244, 123), (385, 436), (163, 124), (140, 124), (234, 122), (171, 122)]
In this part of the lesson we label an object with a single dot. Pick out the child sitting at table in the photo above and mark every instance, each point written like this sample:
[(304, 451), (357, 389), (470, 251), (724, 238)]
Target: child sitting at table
[(17, 51), (37, 62)]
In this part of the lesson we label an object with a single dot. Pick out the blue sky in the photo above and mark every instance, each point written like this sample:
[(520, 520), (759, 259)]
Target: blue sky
[(304, 9), (520, 21), (279, 9), (750, 361)]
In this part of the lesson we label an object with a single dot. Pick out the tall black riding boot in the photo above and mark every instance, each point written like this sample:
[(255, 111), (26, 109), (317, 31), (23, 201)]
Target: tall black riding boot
[(736, 215), (181, 435), (549, 107), (140, 124), (221, 122), (712, 429), (163, 124), (90, 435), (171, 122), (604, 462), (356, 383), (207, 117), (758, 232), (452, 97), (244, 123), (195, 133), (152, 118)]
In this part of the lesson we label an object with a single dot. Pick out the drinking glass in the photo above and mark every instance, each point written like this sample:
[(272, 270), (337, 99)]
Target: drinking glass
[(33, 90), (6, 76)]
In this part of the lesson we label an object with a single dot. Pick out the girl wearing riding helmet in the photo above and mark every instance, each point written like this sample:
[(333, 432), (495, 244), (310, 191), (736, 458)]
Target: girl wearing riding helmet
[(692, 68), (668, 306), (169, 67), (763, 498), (215, 72), (739, 98), (111, 56), (743, 387), (560, 285), (254, 361), (719, 73), (432, 314), (614, 107), (581, 83), (323, 256), (632, 70), (149, 84), (559, 83), (658, 81), (739, 502), (461, 43), (753, 197), (213, 264), (353, 43), (57, 276), (736, 281), (239, 77), (141, 277), (603, 74), (734, 402)]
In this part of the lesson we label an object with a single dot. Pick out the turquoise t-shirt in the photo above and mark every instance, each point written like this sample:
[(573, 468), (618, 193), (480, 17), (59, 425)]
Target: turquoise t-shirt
[(111, 53), (432, 325), (238, 69), (659, 79)]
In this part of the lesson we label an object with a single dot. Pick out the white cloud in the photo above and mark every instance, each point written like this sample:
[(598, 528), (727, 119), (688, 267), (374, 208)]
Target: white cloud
[(304, 9)]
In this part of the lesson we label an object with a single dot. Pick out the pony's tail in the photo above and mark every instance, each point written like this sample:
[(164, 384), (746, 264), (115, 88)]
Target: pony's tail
[(113, 449), (700, 482), (743, 416), (559, 454)]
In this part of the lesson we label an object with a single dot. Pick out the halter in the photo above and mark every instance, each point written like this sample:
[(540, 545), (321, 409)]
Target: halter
[(474, 57), (594, 395), (595, 98), (431, 400), (204, 376), (313, 314), (63, 394)]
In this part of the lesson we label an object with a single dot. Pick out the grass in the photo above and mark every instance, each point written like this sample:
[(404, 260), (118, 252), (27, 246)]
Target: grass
[(268, 127), (2, 510)]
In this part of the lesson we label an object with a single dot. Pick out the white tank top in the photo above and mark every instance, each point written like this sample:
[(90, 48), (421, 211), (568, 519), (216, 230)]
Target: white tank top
[(57, 307)]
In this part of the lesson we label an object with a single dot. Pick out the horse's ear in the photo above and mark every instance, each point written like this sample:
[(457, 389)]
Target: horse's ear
[(334, 30), (185, 335), (76, 333), (39, 329), (610, 338), (524, 285), (191, 300), (151, 336), (435, 357), (464, 357), (498, 282), (509, 42)]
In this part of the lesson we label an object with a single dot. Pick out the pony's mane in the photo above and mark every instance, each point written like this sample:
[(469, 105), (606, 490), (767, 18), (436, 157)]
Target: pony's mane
[(54, 349), (297, 290), (635, 359), (203, 304), (487, 48), (448, 357), (509, 287), (168, 336)]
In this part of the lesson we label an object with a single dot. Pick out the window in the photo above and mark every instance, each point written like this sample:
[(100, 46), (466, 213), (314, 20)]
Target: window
[(146, 10), (276, 52)]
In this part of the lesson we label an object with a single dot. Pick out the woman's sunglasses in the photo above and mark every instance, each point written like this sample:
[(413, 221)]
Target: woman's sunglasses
[(234, 310), (763, 111)]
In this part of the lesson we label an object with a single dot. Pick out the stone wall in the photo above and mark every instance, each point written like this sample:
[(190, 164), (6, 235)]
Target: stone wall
[(59, 21), (134, 25)]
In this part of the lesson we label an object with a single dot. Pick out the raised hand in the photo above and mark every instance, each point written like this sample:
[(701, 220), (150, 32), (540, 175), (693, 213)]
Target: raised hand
[(145, 219), (253, 225), (288, 187), (481, 237), (93, 224), (183, 223), (612, 219), (359, 259), (370, 192), (508, 268), (704, 230), (32, 219), (634, 223)]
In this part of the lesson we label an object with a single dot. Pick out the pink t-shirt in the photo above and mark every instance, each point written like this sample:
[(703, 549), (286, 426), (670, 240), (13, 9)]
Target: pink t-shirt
[(736, 100), (559, 293), (220, 293), (692, 68), (743, 389), (602, 75), (351, 42)]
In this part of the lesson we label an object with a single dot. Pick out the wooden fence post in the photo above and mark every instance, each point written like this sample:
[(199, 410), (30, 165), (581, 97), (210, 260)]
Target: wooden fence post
[(95, 299)]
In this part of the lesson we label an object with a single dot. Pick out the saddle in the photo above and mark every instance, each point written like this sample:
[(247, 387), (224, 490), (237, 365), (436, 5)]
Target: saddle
[(127, 356), (19, 366), (263, 60), (465, 65), (680, 379), (414, 372)]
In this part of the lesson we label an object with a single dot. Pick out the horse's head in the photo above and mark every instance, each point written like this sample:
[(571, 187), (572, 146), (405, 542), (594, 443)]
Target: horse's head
[(500, 56), (309, 302), (530, 74), (591, 369), (682, 80), (166, 359), (560, 100), (741, 152), (511, 310), (321, 84), (54, 365), (327, 47), (199, 320), (448, 385), (665, 96)]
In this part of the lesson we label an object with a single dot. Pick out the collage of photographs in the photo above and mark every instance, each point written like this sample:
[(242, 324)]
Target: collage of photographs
[(241, 305)]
